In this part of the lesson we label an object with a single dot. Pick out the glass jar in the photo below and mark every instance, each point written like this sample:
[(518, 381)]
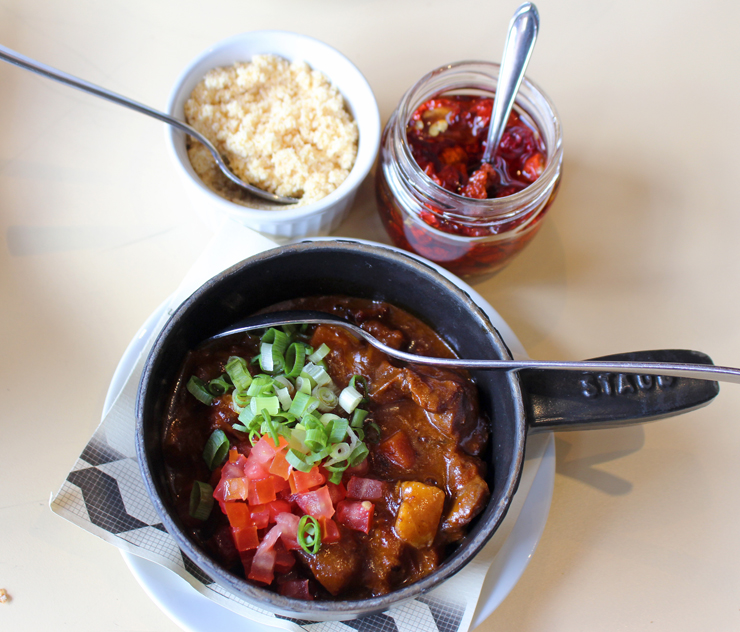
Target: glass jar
[(467, 236)]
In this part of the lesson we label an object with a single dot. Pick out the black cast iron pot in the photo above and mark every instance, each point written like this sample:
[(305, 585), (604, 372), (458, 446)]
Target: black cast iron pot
[(517, 404)]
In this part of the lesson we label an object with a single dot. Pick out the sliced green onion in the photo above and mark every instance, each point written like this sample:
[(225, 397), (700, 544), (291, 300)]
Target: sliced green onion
[(271, 404), (358, 455), (219, 386), (198, 389), (313, 404), (316, 438), (298, 461), (295, 359), (295, 440), (362, 380), (283, 396), (303, 384), (201, 500), (320, 353), (216, 449), (327, 398), (300, 404), (267, 358), (340, 452), (317, 373), (261, 385), (240, 398), (338, 430), (336, 471), (309, 534), (358, 417), (287, 418), (328, 417), (247, 416), (349, 399), (269, 426), (336, 477), (238, 371), (353, 438), (281, 381), (241, 428), (317, 457), (279, 339)]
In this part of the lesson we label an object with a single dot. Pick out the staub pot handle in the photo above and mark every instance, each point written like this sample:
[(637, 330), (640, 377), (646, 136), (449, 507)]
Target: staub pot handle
[(571, 400)]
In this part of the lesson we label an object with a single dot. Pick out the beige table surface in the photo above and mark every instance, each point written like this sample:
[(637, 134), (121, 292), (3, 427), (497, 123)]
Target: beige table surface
[(640, 251)]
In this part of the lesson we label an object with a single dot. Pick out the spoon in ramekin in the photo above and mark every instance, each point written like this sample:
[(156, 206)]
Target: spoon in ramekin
[(12, 57)]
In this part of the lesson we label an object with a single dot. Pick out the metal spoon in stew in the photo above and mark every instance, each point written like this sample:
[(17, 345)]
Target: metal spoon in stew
[(520, 41), (667, 369), (12, 57)]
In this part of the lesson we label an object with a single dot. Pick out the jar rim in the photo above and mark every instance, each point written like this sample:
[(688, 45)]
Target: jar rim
[(530, 98)]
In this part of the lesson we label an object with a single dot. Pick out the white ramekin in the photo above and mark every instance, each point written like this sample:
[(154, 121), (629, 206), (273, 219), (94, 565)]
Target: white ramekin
[(321, 217)]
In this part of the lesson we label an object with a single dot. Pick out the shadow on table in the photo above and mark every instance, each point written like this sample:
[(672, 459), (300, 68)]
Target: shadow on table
[(579, 455)]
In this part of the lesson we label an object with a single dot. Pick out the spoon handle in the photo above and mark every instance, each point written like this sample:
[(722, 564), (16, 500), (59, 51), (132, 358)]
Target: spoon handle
[(17, 59), (700, 367), (518, 48)]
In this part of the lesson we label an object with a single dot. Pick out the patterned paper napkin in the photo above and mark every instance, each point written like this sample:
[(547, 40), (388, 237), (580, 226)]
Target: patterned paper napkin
[(105, 495)]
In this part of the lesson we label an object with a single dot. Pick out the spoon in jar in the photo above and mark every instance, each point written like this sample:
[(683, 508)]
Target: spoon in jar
[(709, 372), (520, 41), (12, 57)]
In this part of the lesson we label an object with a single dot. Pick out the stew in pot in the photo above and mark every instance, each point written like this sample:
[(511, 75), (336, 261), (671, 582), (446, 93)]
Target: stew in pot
[(311, 463)]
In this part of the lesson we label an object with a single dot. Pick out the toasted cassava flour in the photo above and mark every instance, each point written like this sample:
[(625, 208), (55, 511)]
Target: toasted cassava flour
[(281, 125)]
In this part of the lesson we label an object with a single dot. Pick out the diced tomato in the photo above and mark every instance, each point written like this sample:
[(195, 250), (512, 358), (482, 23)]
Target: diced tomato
[(365, 488), (282, 443), (277, 507), (280, 466), (245, 537), (297, 589), (260, 515), (253, 469), (233, 485), (398, 450), (281, 485), (263, 564), (264, 450), (288, 524), (247, 557), (284, 559), (356, 514), (360, 469), (238, 514), (329, 531), (231, 489), (337, 492), (233, 454), (303, 481), (261, 491), (234, 469), (316, 503)]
